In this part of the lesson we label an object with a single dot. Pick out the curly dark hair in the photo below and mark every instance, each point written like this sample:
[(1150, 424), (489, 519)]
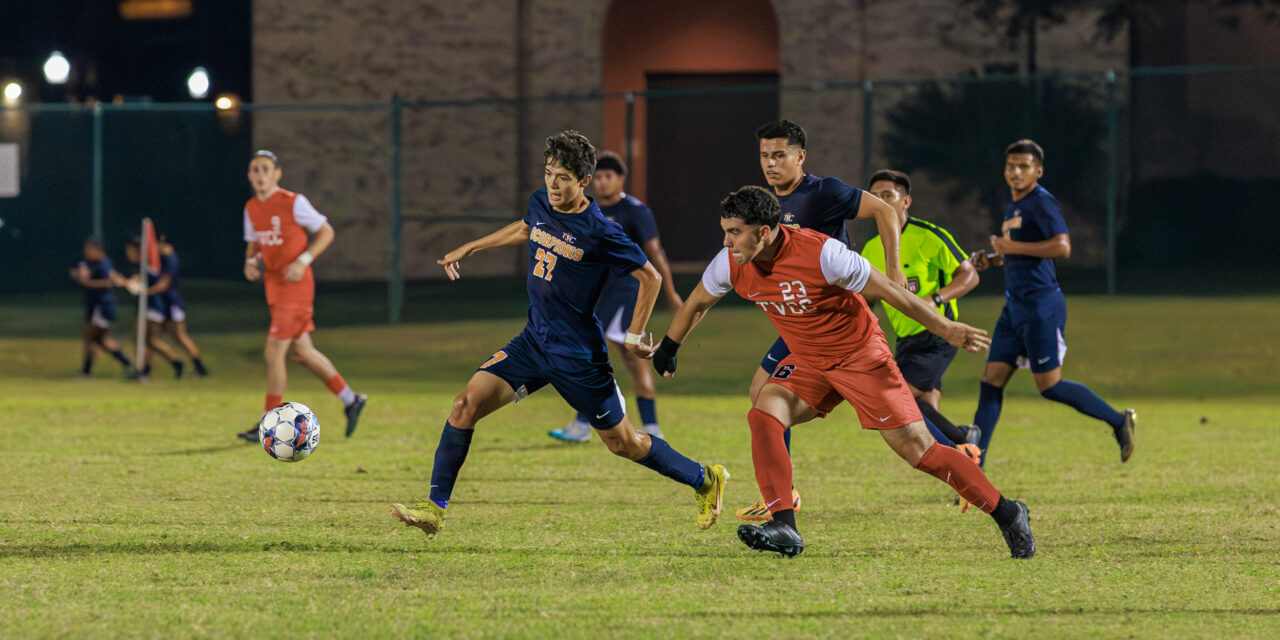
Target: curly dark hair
[(573, 151), (753, 205), (793, 132)]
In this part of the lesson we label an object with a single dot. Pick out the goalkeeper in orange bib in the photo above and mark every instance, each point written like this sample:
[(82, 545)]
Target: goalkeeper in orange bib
[(276, 224), (808, 285)]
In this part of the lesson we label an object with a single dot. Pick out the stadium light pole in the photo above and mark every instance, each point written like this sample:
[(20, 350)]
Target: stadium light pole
[(57, 69), (1113, 165)]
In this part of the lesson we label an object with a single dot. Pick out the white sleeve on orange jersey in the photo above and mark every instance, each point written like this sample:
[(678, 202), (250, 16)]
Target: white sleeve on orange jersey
[(306, 215), (715, 279), (249, 234), (843, 266)]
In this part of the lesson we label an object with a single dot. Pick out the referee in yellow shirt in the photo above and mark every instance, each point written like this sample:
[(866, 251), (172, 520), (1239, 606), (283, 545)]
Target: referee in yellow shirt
[(936, 269)]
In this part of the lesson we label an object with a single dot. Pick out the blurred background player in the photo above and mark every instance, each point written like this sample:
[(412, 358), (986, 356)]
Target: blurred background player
[(808, 286), (572, 247), (1030, 331), (157, 311), (96, 276), (276, 223), (617, 301), (175, 308), (937, 270), (824, 205)]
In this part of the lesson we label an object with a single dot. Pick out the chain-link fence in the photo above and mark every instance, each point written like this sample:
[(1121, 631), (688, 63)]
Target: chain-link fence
[(1167, 176)]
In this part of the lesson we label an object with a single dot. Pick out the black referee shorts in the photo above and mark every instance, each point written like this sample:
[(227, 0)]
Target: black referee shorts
[(923, 358)]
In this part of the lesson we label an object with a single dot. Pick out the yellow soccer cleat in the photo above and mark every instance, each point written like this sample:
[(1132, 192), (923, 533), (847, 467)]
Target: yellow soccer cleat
[(711, 499), (758, 512), (427, 516)]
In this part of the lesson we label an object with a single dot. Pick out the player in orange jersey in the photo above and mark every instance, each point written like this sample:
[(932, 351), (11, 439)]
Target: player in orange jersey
[(808, 285), (276, 224)]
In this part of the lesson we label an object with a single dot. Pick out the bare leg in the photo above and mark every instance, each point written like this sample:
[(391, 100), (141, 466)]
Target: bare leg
[(304, 352), (277, 372)]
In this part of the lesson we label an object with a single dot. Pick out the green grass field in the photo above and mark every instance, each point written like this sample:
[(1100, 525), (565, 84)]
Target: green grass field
[(130, 510)]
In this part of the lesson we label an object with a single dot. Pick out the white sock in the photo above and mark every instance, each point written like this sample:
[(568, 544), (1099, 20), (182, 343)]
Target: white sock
[(347, 396)]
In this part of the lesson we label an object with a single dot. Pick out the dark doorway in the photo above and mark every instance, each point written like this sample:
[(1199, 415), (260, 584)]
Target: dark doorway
[(701, 147)]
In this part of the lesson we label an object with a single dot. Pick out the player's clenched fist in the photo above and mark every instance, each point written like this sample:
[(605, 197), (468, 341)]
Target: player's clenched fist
[(664, 357), (251, 270)]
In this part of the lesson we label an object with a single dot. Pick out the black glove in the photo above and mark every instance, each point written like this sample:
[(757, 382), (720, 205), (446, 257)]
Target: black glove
[(664, 358)]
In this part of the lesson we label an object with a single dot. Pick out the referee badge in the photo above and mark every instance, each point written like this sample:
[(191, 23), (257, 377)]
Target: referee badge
[(913, 285)]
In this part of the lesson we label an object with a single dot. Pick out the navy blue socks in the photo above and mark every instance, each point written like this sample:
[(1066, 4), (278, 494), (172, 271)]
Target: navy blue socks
[(990, 400), (668, 462), (450, 455), (1084, 400), (648, 410)]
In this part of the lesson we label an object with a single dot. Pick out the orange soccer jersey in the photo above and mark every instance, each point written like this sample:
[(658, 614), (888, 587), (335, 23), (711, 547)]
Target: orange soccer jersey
[(837, 347), (279, 226)]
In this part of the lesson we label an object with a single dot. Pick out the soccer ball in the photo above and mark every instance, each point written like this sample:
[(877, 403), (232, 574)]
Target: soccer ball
[(289, 432)]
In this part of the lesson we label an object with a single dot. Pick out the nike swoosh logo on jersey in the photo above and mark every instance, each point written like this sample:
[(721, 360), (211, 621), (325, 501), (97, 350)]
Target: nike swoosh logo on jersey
[(538, 224), (770, 357)]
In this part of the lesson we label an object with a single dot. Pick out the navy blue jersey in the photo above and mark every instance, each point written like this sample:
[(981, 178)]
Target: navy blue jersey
[(1034, 218), (821, 204), (169, 265), (98, 270), (571, 255), (638, 223)]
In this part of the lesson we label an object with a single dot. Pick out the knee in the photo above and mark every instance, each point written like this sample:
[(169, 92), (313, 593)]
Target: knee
[(464, 411), (631, 448)]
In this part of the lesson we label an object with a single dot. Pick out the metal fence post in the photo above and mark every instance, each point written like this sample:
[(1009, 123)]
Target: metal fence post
[(1113, 180), (866, 126), (97, 171), (395, 279), (629, 125)]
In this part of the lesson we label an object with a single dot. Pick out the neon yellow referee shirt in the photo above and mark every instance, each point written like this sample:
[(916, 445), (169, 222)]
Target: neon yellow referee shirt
[(929, 256)]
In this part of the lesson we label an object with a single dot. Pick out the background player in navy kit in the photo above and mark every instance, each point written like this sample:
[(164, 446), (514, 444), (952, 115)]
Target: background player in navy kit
[(617, 301), (937, 270), (1029, 332), (821, 204), (156, 312), (572, 247), (172, 314), (96, 276)]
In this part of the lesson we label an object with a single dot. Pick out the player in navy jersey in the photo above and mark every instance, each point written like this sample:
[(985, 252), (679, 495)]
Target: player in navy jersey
[(172, 311), (97, 276), (617, 302), (821, 204), (1030, 331), (572, 251), (157, 310)]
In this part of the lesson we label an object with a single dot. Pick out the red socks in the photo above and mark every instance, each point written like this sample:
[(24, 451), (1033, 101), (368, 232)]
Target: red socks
[(957, 470), (336, 384), (771, 459), (273, 401)]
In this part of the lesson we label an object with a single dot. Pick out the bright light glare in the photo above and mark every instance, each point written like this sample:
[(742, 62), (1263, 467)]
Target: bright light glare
[(198, 83), (12, 92), (57, 68), (224, 103)]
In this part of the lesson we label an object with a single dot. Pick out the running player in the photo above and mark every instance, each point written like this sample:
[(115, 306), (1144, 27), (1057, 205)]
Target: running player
[(617, 301), (96, 276), (157, 311), (276, 223), (572, 249), (1030, 331), (174, 317), (807, 284), (935, 269), (821, 204)]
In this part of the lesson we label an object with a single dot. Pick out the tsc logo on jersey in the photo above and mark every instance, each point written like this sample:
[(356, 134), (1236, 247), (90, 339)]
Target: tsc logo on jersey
[(568, 237), (272, 237)]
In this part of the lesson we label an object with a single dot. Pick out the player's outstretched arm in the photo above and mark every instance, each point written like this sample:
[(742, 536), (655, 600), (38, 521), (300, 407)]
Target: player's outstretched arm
[(650, 283), (887, 224), (692, 312), (956, 333), (252, 268), (1058, 247), (512, 234)]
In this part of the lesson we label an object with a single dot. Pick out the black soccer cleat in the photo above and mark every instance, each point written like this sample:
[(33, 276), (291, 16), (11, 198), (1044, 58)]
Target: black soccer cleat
[(353, 412), (177, 369), (249, 435), (1022, 545), (1124, 434), (774, 536)]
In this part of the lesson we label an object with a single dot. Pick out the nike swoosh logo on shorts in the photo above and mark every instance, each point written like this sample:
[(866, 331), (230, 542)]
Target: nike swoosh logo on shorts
[(885, 418), (603, 414), (1043, 360), (770, 357), (752, 295)]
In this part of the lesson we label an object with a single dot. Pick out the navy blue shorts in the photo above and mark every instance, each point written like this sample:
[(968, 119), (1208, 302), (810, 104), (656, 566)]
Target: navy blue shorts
[(923, 358), (614, 310), (588, 386), (1030, 332), (777, 353), (163, 308), (100, 314)]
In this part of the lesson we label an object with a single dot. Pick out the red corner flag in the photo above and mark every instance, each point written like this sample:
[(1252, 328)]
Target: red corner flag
[(153, 248)]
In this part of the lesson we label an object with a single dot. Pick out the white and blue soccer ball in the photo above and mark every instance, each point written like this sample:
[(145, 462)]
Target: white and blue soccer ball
[(289, 432)]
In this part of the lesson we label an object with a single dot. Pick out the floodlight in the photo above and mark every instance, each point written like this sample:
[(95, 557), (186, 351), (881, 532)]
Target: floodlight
[(198, 83), (57, 68), (12, 94)]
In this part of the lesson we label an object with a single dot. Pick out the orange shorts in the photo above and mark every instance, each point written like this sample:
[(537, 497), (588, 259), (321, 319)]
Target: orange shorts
[(291, 320), (869, 380)]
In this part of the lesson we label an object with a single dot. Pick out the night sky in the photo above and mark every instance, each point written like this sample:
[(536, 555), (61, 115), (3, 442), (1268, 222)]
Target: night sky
[(138, 60)]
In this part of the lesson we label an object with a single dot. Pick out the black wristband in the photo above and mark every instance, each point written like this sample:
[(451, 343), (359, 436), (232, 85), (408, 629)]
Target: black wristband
[(937, 299), (668, 346)]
